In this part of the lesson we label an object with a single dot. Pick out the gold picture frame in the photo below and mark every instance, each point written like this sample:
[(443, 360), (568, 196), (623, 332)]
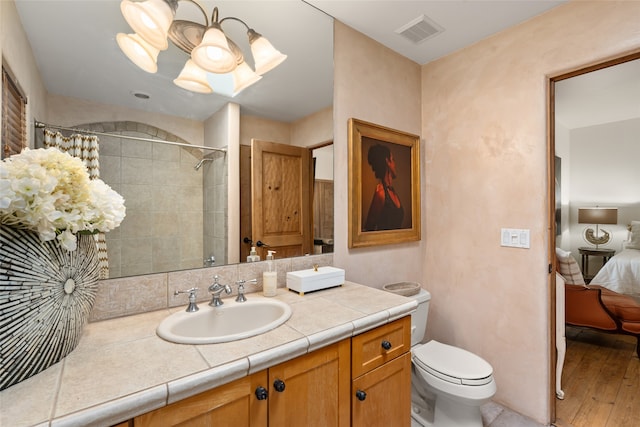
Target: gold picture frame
[(384, 185)]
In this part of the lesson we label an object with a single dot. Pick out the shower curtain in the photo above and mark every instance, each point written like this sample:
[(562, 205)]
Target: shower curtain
[(86, 148)]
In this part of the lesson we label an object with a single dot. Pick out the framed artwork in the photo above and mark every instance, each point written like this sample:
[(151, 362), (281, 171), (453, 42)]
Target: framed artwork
[(384, 185)]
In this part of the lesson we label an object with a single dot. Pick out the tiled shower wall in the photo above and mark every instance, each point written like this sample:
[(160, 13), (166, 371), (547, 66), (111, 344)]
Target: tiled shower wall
[(164, 197)]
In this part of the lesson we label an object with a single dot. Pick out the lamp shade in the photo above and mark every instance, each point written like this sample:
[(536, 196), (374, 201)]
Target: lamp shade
[(213, 53), (193, 78), (265, 56), (139, 51), (598, 215), (151, 19), (243, 77)]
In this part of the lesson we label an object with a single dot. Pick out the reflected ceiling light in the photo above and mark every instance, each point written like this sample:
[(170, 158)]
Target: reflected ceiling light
[(139, 51), (210, 49), (150, 19), (243, 77), (193, 78)]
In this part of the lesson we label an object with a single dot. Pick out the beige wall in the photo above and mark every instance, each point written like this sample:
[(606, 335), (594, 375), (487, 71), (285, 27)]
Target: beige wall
[(374, 84), (221, 183), (17, 57), (314, 129), (483, 123), (485, 129), (65, 111), (264, 129)]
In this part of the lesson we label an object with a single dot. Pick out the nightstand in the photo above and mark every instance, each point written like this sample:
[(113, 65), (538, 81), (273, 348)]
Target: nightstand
[(605, 253)]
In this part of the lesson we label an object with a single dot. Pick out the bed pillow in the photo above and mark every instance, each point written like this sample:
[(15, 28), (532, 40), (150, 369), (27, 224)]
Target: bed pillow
[(568, 268), (634, 240)]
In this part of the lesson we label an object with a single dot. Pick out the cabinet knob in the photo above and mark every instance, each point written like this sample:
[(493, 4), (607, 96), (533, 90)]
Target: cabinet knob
[(361, 395), (386, 345), (279, 385), (262, 393)]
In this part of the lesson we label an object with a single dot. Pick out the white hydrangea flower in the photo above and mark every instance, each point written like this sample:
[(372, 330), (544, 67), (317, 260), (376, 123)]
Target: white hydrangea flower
[(49, 192)]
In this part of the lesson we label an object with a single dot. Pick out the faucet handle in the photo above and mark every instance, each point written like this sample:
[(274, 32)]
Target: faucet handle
[(240, 283), (192, 307)]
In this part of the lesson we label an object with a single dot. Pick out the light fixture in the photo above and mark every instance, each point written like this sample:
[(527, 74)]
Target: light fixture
[(211, 50), (597, 216), (139, 51), (193, 78)]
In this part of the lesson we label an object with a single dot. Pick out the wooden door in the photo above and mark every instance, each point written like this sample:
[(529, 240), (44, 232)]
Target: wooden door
[(314, 389), (231, 405), (281, 214), (387, 395)]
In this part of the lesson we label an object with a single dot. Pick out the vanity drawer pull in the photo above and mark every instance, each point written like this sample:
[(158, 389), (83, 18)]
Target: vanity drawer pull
[(262, 393), (377, 346), (279, 385), (361, 395)]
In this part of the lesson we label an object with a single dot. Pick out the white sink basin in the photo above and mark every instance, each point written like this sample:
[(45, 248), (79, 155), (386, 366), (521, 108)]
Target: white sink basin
[(229, 322)]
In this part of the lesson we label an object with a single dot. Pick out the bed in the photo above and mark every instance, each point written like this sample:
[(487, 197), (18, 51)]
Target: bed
[(622, 272)]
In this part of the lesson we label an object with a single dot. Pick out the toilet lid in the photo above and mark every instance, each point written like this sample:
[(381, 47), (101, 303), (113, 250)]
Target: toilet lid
[(452, 364)]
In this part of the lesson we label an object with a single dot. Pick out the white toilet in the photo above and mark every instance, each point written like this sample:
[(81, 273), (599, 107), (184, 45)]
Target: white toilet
[(448, 384)]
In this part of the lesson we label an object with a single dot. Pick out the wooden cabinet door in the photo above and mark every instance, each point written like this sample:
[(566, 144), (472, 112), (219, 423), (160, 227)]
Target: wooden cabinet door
[(314, 389), (280, 198), (387, 395), (231, 405)]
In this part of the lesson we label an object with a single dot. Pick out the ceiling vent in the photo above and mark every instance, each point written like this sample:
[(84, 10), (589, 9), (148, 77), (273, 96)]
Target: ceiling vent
[(419, 29)]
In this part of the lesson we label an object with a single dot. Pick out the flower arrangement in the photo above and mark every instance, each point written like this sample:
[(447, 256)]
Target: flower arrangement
[(49, 192)]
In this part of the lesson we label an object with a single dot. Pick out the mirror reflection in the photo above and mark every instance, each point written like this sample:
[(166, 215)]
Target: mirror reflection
[(183, 204)]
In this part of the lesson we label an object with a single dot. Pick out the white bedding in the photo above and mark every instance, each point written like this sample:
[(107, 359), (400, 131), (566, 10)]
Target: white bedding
[(621, 273)]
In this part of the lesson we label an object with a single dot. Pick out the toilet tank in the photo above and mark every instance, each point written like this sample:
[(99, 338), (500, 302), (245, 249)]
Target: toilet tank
[(419, 317)]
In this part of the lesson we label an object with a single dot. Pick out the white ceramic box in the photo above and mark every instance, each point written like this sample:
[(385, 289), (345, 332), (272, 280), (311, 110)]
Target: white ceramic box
[(315, 279)]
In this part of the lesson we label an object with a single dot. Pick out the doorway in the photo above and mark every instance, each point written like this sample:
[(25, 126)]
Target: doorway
[(565, 232)]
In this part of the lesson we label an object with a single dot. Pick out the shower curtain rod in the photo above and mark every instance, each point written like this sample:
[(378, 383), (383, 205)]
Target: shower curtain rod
[(40, 125)]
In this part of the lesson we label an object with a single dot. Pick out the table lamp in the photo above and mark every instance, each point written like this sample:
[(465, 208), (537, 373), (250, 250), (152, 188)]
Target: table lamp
[(597, 216)]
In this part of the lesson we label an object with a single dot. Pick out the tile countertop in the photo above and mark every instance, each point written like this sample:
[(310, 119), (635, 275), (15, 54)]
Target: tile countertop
[(121, 368)]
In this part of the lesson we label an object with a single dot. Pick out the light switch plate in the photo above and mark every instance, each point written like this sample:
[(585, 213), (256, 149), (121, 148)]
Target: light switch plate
[(515, 238)]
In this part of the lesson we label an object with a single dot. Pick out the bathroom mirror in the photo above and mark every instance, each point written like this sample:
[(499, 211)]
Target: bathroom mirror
[(298, 88)]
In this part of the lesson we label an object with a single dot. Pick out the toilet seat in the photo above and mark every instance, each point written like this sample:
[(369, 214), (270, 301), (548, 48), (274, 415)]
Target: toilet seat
[(452, 364)]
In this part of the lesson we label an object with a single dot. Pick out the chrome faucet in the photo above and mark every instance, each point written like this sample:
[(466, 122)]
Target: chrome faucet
[(240, 283), (192, 307), (216, 290)]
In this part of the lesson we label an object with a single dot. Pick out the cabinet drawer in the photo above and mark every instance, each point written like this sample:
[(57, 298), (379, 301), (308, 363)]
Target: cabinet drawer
[(378, 346)]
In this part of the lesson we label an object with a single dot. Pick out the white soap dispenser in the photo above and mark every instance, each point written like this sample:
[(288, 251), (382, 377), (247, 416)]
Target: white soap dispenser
[(270, 277), (253, 255)]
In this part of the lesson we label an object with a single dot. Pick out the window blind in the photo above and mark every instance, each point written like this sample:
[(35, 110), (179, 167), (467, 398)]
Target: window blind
[(14, 120)]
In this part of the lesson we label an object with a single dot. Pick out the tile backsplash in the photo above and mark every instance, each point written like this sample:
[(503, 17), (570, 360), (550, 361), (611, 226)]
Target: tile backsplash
[(139, 294)]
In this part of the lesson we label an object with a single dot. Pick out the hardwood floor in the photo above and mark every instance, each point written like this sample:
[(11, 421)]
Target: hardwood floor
[(600, 380)]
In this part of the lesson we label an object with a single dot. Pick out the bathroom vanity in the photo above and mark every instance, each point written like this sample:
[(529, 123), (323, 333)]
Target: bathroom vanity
[(341, 359), (312, 390)]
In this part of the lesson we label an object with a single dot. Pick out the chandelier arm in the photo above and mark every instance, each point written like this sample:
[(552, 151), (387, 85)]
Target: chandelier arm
[(173, 4), (233, 18)]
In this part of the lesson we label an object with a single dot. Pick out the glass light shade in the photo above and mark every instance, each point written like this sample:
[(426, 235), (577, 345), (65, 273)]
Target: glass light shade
[(139, 51), (193, 78), (243, 77), (265, 56), (151, 19), (213, 53)]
